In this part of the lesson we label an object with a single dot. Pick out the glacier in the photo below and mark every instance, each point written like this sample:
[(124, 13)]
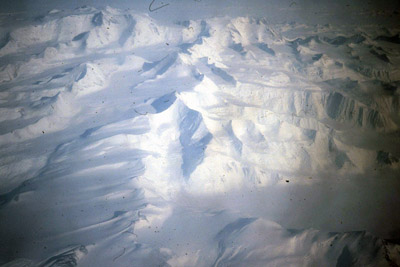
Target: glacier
[(130, 140)]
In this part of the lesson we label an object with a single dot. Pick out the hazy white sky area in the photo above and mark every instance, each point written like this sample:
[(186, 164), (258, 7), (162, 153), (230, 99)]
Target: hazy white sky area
[(307, 11)]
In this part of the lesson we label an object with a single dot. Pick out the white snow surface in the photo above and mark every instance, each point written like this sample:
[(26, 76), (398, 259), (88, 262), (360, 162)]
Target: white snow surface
[(228, 141)]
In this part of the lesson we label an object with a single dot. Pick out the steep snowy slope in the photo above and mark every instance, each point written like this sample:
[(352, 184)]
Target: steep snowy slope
[(218, 142)]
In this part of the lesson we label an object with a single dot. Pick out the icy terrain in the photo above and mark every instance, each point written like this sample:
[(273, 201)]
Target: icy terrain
[(228, 141)]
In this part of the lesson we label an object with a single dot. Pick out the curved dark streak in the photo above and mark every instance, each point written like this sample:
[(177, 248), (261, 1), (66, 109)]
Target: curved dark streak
[(140, 113), (157, 8), (123, 252)]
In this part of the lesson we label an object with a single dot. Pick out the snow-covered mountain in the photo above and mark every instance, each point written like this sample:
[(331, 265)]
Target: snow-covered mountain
[(216, 142)]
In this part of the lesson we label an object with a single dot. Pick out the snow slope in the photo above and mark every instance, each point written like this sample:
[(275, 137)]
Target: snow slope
[(223, 142)]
